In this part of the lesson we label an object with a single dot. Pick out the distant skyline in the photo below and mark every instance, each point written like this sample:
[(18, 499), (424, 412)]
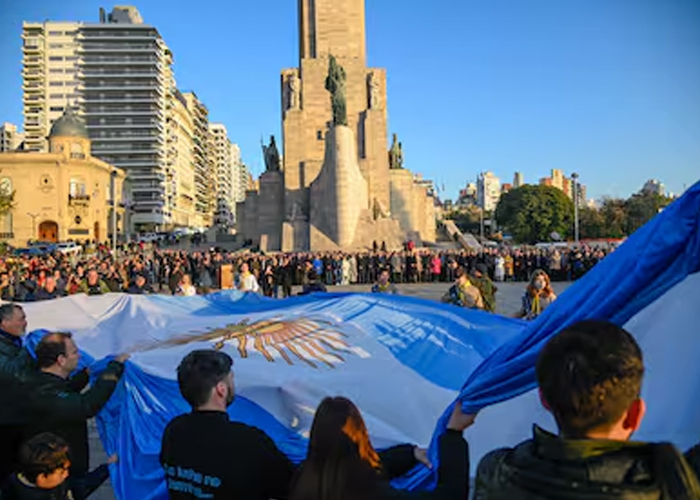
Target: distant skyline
[(609, 90)]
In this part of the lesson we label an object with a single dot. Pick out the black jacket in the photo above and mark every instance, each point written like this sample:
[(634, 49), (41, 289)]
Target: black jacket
[(204, 453), (18, 488), (15, 364), (552, 468), (369, 484), (56, 405), (453, 471)]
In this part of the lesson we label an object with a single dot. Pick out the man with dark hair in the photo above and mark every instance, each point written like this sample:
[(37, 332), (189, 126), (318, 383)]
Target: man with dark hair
[(58, 404), (204, 454), (590, 378), (15, 362)]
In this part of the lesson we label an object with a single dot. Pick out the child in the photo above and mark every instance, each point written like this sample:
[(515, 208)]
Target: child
[(43, 471)]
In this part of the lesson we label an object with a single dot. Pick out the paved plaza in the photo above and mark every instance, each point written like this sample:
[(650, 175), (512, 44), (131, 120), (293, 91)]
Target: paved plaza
[(507, 302)]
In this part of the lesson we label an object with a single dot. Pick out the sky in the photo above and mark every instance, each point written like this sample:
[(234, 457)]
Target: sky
[(609, 89)]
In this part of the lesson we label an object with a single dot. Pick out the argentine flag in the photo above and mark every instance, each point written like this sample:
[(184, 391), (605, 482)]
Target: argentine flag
[(403, 360)]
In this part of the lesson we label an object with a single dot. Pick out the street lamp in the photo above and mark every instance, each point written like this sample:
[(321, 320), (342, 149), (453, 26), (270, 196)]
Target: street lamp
[(574, 177)]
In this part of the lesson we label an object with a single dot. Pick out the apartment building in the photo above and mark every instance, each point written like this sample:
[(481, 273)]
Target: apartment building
[(488, 191), (180, 171), (204, 176), (220, 153), (126, 74), (50, 69), (10, 138), (117, 73)]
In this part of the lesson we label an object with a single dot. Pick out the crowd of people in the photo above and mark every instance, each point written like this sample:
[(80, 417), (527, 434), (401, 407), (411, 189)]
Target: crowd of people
[(145, 270), (589, 375)]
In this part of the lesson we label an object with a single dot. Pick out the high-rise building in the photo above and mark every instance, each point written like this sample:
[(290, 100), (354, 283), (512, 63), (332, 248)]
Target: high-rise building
[(50, 72), (518, 180), (117, 73), (467, 196), (125, 69), (10, 138), (653, 186), (224, 168), (180, 187), (488, 191), (239, 178), (204, 177)]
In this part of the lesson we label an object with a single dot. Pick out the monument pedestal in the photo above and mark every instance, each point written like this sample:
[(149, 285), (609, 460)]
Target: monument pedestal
[(340, 193)]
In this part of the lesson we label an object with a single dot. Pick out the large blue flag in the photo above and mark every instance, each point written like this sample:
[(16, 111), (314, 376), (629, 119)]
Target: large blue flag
[(402, 360)]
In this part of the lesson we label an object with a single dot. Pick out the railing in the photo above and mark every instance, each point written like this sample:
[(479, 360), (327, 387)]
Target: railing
[(78, 199), (7, 236)]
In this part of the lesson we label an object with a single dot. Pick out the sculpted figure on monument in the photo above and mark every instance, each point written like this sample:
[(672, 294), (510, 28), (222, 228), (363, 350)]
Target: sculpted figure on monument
[(396, 154), (374, 91), (293, 91), (335, 84), (271, 156)]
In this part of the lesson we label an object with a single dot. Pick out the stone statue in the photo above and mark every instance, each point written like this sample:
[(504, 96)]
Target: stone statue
[(271, 156), (395, 154), (293, 89), (373, 90), (379, 211), (297, 212), (335, 84)]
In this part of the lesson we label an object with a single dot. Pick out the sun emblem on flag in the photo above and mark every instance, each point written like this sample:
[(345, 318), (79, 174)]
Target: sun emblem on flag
[(311, 341)]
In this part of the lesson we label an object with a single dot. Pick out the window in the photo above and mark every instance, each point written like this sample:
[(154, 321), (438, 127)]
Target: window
[(56, 58), (55, 71), (55, 45), (55, 84), (56, 96), (77, 187), (57, 109), (55, 33), (72, 58), (71, 70)]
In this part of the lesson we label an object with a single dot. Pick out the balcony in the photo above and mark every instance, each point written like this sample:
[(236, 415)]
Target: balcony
[(78, 200), (120, 61), (134, 74), (118, 98), (121, 112), (31, 48)]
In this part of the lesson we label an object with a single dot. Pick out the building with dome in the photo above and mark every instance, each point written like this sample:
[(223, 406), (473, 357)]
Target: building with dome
[(63, 195)]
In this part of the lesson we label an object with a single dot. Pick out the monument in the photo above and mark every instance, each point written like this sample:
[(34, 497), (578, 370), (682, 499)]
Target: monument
[(337, 186)]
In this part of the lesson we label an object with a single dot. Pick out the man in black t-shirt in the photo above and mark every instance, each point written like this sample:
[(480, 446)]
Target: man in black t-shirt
[(204, 454)]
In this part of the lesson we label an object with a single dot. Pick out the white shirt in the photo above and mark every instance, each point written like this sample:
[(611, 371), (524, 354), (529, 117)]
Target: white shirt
[(250, 284), (188, 290)]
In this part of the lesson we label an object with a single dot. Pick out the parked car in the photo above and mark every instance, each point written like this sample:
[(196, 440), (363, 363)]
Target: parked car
[(69, 247)]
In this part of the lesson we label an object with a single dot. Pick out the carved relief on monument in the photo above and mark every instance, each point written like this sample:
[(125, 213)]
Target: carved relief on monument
[(292, 91), (374, 91)]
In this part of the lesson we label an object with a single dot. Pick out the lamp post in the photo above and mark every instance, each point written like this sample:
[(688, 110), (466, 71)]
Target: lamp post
[(574, 177), (113, 195)]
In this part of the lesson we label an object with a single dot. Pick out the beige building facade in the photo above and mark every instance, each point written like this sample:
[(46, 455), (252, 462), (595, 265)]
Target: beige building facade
[(180, 179), (204, 175), (63, 194)]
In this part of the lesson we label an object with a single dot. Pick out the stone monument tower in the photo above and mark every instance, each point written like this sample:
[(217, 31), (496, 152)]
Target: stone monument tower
[(338, 188), (333, 27)]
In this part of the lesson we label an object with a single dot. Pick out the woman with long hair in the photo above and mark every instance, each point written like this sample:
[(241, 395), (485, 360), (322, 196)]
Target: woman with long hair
[(538, 295), (342, 464)]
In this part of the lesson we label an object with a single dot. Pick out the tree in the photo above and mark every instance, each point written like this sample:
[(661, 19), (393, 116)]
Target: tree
[(642, 207), (614, 217), (7, 197), (531, 214), (466, 219), (591, 223)]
